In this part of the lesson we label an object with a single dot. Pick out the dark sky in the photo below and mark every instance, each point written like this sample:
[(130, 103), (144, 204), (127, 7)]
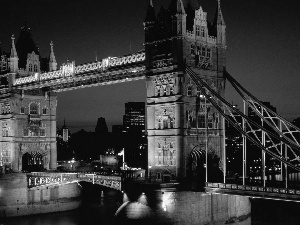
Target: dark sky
[(263, 53)]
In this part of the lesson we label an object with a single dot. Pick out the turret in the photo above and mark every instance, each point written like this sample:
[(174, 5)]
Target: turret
[(219, 23), (181, 18), (13, 61), (149, 23), (52, 60)]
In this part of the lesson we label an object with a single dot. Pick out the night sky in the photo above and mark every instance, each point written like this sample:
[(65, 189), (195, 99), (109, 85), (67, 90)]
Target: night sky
[(263, 53)]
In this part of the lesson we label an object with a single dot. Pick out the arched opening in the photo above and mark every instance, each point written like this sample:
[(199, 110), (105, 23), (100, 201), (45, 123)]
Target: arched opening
[(196, 168), (32, 162)]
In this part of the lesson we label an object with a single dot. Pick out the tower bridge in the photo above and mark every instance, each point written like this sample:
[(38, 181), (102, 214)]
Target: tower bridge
[(184, 66)]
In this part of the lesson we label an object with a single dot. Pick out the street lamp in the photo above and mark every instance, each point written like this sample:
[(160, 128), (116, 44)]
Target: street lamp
[(149, 173)]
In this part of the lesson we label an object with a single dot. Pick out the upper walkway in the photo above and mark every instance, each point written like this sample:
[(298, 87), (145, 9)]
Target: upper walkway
[(107, 71)]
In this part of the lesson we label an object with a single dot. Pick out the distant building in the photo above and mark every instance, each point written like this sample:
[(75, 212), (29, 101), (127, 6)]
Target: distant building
[(135, 143), (134, 115), (64, 151)]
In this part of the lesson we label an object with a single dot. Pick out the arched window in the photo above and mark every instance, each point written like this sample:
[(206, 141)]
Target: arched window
[(197, 31), (35, 68), (202, 32), (30, 67), (33, 108)]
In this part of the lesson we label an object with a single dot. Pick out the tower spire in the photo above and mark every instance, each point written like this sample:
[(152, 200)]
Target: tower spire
[(14, 59), (180, 7), (13, 51), (220, 15), (52, 60)]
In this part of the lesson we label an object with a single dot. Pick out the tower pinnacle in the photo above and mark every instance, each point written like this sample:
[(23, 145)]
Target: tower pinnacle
[(52, 60), (13, 51)]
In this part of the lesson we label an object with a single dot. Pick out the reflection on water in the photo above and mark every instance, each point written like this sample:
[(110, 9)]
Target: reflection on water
[(100, 206)]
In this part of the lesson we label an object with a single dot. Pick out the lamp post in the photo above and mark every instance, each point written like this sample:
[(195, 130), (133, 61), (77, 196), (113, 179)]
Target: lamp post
[(149, 173)]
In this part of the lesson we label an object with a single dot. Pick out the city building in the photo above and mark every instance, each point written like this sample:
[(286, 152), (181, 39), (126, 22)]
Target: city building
[(135, 144), (134, 115), (64, 152)]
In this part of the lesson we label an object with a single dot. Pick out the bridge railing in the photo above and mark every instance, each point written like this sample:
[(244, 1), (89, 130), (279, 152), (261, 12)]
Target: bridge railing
[(37, 179)]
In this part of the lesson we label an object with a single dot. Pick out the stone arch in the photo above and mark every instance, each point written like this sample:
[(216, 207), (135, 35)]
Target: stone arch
[(196, 167), (197, 160), (32, 161), (166, 176)]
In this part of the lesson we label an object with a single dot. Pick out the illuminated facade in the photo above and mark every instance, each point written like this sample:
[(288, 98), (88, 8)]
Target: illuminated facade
[(179, 120), (28, 117)]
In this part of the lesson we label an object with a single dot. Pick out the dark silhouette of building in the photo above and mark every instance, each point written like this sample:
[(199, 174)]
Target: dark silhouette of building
[(102, 137), (64, 152), (134, 132)]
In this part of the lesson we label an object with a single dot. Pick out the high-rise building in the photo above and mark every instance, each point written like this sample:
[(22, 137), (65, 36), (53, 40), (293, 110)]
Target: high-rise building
[(134, 115), (134, 130)]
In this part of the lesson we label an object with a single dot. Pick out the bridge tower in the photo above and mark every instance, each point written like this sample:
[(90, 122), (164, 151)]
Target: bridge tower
[(27, 117), (180, 121)]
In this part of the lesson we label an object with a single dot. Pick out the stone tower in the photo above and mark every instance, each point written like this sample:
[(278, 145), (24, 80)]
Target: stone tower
[(180, 121), (27, 117)]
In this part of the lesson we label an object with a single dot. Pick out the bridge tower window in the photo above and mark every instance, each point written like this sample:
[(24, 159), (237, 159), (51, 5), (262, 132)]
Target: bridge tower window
[(197, 31), (35, 68), (30, 67), (208, 53), (22, 110), (202, 32), (42, 132), (33, 109)]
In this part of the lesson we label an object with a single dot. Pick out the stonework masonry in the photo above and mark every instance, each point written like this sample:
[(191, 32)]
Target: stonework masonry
[(17, 200)]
